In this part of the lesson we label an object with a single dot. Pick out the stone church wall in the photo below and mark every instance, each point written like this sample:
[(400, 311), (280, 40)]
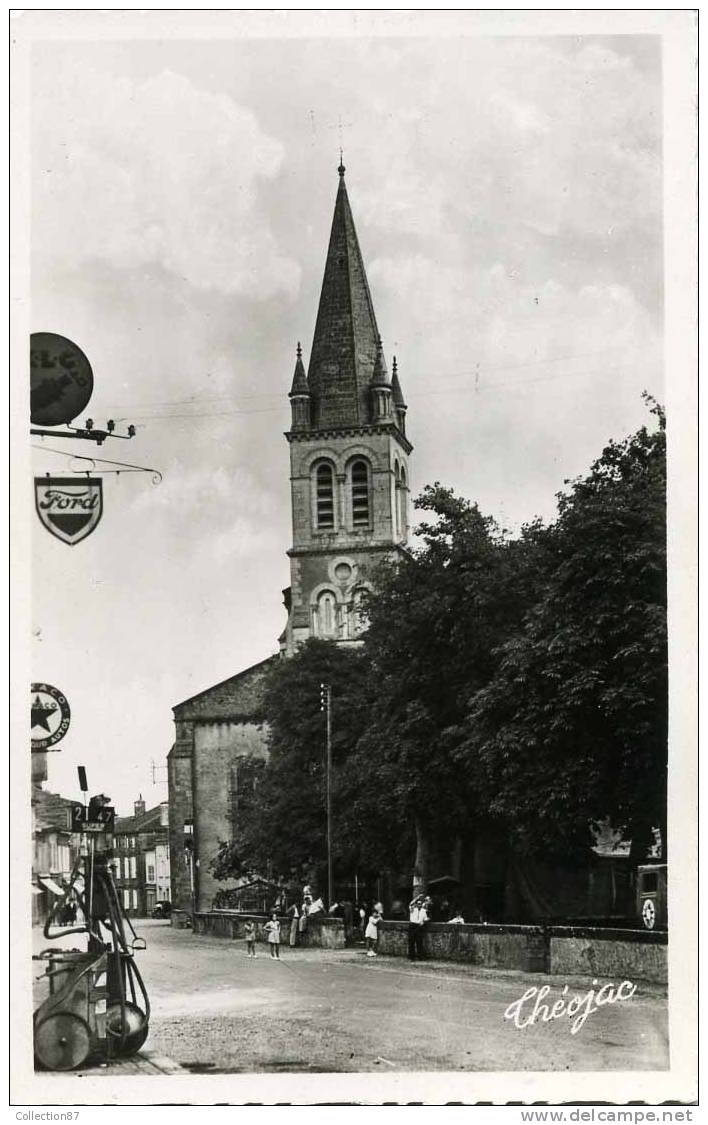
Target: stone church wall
[(218, 747), (179, 779), (214, 729)]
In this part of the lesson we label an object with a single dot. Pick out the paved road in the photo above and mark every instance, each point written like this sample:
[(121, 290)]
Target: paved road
[(216, 1011)]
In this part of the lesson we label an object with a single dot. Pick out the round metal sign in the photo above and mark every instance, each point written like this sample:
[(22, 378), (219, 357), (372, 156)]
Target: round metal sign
[(51, 716), (61, 379)]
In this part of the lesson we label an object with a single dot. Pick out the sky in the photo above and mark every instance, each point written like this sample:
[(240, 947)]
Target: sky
[(507, 194)]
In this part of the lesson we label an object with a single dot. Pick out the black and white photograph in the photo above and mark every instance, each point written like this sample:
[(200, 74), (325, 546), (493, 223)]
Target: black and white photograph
[(353, 557)]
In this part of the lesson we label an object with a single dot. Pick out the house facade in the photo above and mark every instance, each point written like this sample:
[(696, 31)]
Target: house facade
[(140, 850), (55, 849)]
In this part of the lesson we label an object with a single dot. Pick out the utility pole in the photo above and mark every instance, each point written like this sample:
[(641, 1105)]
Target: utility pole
[(326, 706)]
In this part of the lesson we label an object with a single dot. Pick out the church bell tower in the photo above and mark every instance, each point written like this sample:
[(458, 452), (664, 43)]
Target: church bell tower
[(348, 452)]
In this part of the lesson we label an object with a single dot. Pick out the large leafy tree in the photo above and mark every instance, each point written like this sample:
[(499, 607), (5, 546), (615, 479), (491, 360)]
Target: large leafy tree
[(572, 728), (434, 624)]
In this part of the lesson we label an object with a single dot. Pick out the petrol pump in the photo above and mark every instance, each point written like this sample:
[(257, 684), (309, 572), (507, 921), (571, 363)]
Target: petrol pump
[(97, 1006)]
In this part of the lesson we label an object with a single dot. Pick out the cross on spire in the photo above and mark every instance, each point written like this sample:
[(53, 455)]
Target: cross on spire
[(341, 126)]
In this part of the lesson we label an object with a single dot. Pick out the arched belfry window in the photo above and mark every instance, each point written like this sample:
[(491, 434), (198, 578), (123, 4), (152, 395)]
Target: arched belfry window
[(324, 481), (403, 503), (361, 508), (396, 500)]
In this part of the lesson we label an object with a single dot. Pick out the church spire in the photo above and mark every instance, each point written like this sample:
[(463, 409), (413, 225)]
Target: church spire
[(344, 344)]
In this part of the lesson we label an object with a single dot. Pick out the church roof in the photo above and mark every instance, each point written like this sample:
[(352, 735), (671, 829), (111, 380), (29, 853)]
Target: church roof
[(238, 699), (344, 345)]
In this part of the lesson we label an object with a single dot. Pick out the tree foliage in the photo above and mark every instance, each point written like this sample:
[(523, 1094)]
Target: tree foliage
[(573, 726), (434, 624), (519, 679)]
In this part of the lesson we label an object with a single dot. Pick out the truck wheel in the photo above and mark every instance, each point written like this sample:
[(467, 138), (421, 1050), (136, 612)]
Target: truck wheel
[(649, 914)]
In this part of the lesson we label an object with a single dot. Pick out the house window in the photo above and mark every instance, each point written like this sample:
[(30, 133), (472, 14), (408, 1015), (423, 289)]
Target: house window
[(126, 868), (133, 867), (150, 874), (360, 494), (126, 900), (135, 900), (325, 496)]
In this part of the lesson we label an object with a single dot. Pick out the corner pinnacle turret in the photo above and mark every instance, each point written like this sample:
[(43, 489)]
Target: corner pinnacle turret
[(399, 403), (300, 385), (300, 395)]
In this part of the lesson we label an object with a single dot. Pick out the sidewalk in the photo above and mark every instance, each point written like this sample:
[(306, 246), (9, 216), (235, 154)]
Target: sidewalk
[(145, 1062)]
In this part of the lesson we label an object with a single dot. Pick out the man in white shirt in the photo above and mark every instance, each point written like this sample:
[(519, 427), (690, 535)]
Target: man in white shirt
[(417, 917)]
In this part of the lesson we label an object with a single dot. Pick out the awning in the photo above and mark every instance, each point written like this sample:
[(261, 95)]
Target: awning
[(49, 883), (442, 884)]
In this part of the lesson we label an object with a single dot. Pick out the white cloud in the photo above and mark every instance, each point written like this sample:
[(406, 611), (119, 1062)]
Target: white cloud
[(473, 318), (155, 173), (559, 137)]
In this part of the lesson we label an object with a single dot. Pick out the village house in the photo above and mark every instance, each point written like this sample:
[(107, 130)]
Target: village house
[(141, 860)]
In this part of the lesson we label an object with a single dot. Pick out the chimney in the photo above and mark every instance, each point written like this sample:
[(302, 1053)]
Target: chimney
[(139, 806)]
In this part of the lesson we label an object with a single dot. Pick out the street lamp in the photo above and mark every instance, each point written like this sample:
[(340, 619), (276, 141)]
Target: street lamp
[(326, 706)]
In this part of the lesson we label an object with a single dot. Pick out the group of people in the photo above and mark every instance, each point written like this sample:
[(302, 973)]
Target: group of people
[(299, 915), (419, 913)]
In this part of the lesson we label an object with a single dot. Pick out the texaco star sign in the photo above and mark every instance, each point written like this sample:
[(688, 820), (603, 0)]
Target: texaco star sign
[(50, 716)]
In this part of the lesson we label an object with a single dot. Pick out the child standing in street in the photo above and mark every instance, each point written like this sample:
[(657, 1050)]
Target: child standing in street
[(372, 932), (249, 931), (272, 928)]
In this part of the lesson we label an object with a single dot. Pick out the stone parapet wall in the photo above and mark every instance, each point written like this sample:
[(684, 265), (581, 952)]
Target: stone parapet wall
[(507, 947), (561, 951), (621, 955), (321, 933)]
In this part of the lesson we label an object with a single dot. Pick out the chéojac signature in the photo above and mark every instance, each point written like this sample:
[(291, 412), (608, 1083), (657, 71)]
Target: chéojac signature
[(524, 1013)]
